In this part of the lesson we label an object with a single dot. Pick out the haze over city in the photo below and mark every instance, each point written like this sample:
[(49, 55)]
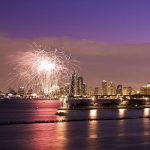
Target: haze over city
[(111, 40)]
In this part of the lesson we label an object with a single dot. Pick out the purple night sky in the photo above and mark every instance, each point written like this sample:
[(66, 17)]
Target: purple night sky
[(111, 38)]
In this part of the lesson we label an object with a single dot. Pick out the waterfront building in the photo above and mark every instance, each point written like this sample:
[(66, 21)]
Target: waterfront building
[(90, 92), (104, 87), (96, 91), (134, 91), (84, 89), (111, 88), (145, 90), (148, 89), (119, 90), (73, 84), (68, 89), (127, 90), (79, 86)]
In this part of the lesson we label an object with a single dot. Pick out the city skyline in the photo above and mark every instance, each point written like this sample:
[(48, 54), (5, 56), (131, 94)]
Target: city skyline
[(77, 87), (109, 43)]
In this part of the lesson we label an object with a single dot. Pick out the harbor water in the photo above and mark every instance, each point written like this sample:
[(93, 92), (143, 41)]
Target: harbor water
[(107, 133)]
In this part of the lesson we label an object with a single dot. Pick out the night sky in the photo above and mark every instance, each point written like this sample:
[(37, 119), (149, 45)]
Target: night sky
[(110, 38)]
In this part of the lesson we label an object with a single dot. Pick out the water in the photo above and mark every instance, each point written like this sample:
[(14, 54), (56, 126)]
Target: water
[(103, 134), (14, 110)]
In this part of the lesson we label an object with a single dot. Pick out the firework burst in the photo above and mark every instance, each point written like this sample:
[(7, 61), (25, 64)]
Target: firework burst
[(43, 69)]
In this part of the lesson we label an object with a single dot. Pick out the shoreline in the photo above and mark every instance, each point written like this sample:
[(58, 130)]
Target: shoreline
[(118, 107)]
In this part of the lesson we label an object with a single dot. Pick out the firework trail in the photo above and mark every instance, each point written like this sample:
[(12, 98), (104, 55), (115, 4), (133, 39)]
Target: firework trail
[(43, 69)]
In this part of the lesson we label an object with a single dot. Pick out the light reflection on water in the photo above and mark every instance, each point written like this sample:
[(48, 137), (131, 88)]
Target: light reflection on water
[(93, 113), (92, 129), (121, 112), (146, 112), (146, 122), (103, 134), (61, 134)]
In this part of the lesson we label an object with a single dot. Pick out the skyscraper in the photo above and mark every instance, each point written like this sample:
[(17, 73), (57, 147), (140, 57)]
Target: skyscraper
[(90, 91), (73, 82), (104, 87), (145, 90), (80, 86), (111, 88), (119, 89), (127, 90), (84, 89), (68, 89), (96, 91)]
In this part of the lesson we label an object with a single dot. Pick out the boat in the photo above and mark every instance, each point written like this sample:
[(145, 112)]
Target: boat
[(36, 107), (60, 113)]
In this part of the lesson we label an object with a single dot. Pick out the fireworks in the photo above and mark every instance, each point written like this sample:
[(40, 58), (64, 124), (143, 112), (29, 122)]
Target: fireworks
[(42, 69)]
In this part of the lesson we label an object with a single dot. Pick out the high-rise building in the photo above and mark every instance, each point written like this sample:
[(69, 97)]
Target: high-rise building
[(148, 89), (84, 89), (73, 83), (79, 86), (111, 88), (127, 90), (96, 91), (134, 91), (104, 87), (90, 92), (119, 90), (145, 90), (68, 89)]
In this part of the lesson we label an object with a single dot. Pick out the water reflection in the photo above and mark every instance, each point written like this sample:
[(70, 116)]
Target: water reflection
[(92, 129), (146, 112), (122, 113), (61, 134), (40, 136), (93, 113), (146, 122)]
